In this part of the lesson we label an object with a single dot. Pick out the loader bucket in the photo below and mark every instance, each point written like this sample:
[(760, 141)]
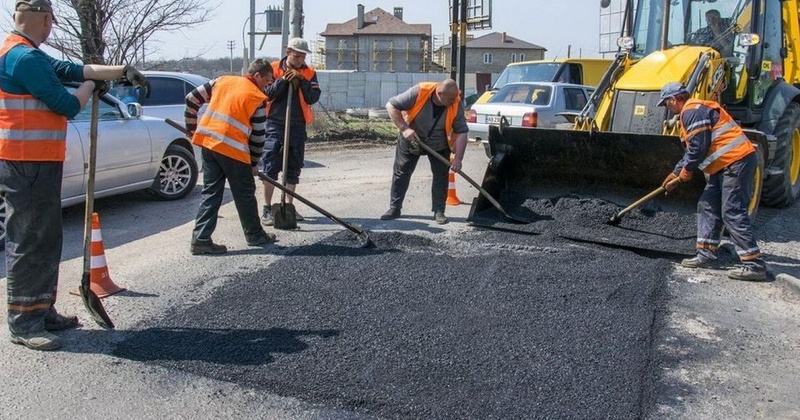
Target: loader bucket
[(574, 181)]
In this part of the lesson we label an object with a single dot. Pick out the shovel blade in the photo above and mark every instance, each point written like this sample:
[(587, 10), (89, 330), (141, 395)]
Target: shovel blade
[(284, 216), (94, 305)]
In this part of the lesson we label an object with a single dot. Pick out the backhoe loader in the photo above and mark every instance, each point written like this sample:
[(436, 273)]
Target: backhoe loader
[(622, 145)]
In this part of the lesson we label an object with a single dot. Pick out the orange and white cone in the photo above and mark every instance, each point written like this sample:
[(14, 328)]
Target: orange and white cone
[(101, 283), (452, 198)]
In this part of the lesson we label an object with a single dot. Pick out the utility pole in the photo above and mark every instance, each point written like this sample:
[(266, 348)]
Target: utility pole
[(252, 30), (231, 46), (296, 17), (454, 41)]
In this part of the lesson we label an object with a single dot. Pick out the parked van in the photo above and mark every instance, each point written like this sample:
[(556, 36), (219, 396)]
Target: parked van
[(578, 71)]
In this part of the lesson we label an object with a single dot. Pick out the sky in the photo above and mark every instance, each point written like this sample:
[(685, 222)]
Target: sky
[(552, 24)]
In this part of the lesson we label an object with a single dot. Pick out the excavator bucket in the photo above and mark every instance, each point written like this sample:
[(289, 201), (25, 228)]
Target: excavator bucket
[(575, 181)]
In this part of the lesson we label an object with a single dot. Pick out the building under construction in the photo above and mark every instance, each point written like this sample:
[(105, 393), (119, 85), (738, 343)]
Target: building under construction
[(377, 41)]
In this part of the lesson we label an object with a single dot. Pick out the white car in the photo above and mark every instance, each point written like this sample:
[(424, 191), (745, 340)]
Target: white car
[(168, 90), (133, 153), (527, 104)]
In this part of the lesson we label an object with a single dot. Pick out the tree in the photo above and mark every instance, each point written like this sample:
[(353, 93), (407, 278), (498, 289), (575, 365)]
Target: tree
[(116, 31)]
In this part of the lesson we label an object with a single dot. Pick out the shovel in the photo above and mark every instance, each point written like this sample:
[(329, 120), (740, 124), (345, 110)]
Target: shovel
[(483, 192), (615, 219), (90, 299), (363, 236), (283, 213)]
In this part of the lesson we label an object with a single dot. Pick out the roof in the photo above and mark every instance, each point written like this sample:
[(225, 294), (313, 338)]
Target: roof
[(495, 40), (377, 21)]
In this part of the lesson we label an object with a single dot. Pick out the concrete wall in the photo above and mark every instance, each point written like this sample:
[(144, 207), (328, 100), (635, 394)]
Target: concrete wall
[(343, 90)]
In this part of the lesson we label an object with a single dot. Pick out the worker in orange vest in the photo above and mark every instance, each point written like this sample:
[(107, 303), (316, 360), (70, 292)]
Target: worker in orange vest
[(291, 72), (231, 134), (432, 113), (716, 145), (34, 108)]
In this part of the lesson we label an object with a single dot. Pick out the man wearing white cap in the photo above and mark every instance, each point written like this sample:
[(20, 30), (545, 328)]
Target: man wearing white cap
[(34, 107), (716, 145), (291, 72)]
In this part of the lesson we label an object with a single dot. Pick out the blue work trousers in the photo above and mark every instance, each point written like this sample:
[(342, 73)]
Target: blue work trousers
[(724, 202), (32, 194)]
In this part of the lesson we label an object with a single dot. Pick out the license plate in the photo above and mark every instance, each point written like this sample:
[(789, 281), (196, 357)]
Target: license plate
[(492, 119)]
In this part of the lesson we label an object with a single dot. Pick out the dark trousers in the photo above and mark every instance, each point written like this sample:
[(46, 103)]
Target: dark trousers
[(32, 193), (404, 164), (724, 202), (216, 169)]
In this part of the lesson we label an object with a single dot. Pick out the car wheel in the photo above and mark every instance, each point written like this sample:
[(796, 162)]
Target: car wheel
[(177, 174)]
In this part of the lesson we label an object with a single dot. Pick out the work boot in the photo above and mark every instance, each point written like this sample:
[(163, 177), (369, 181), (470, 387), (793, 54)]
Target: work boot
[(699, 262), (40, 340), (266, 217), (392, 213), (262, 238), (57, 322), (207, 247), (439, 217), (748, 273)]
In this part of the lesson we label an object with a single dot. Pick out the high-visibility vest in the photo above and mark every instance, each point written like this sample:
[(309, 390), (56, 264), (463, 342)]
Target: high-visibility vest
[(308, 73), (728, 142), (225, 126), (29, 130), (426, 89)]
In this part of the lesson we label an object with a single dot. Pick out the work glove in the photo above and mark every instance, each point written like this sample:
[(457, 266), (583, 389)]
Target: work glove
[(289, 75), (136, 78), (298, 78), (668, 183), (100, 86)]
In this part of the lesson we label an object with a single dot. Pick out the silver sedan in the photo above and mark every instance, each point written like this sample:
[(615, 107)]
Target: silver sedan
[(527, 104), (134, 153)]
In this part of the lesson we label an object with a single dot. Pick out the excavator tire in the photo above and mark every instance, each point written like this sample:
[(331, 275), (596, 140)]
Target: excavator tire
[(781, 190)]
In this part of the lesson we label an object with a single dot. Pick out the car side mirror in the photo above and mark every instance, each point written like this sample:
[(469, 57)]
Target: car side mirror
[(135, 109)]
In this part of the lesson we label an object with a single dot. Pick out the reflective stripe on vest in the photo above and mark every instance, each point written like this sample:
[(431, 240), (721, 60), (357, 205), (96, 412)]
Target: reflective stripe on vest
[(728, 142), (426, 89), (225, 126), (308, 73), (29, 130)]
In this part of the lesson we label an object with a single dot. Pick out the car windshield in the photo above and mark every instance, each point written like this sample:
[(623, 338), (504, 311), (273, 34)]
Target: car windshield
[(523, 93), (692, 22), (533, 72)]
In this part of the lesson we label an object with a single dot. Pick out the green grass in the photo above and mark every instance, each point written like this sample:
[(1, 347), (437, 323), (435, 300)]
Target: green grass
[(341, 127)]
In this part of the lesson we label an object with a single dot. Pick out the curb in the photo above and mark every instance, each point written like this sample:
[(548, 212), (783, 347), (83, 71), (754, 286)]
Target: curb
[(790, 282)]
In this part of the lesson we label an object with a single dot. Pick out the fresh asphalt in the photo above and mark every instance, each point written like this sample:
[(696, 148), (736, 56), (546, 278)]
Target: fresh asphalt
[(512, 328)]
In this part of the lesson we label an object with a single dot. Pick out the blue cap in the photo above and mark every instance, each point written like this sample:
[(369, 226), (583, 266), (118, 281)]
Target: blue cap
[(669, 90)]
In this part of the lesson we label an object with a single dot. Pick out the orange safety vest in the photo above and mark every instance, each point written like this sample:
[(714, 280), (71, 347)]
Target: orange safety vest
[(225, 126), (728, 142), (426, 89), (29, 130), (308, 73)]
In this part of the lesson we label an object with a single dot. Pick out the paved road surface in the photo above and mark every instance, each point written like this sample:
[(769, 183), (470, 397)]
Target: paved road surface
[(715, 348)]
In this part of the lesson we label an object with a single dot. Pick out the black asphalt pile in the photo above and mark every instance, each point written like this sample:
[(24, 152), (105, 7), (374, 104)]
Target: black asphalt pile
[(586, 219), (486, 325)]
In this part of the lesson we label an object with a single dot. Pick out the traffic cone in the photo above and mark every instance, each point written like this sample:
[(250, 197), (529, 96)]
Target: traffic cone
[(101, 283), (452, 198)]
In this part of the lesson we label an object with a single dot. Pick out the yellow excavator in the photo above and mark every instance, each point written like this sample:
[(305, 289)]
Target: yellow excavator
[(622, 145)]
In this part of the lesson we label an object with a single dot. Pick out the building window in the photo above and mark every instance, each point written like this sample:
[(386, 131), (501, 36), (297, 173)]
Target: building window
[(521, 57), (487, 58), (513, 57)]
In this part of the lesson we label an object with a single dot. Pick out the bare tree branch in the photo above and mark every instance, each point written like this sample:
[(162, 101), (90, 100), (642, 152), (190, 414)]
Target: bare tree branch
[(116, 32)]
